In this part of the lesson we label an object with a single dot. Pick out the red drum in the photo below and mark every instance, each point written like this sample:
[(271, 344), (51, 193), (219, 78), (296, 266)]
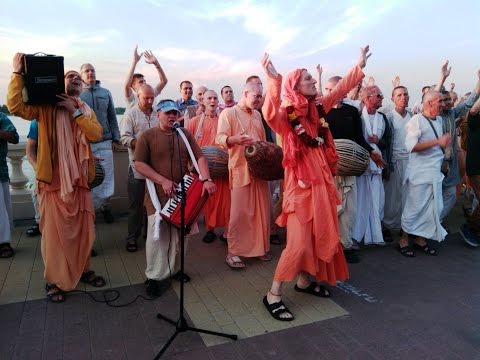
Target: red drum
[(265, 160), (353, 159)]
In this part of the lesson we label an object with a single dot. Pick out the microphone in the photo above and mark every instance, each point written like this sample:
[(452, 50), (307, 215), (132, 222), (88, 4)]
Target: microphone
[(177, 124)]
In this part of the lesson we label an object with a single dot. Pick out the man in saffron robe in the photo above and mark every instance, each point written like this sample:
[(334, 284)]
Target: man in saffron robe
[(249, 225), (309, 209), (204, 128), (64, 169)]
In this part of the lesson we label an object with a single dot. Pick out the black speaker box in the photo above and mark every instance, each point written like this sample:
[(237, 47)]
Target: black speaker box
[(43, 78)]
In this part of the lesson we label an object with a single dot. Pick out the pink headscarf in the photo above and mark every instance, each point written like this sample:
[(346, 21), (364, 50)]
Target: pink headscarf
[(307, 112)]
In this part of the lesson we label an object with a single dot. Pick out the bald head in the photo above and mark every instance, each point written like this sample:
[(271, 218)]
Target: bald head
[(199, 93), (431, 103), (146, 96), (210, 102)]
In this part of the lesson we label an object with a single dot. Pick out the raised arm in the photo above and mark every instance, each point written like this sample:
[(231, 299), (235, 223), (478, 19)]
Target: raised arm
[(349, 81), (444, 73), (271, 110), (466, 105), (128, 82), (151, 59), (15, 103), (319, 80)]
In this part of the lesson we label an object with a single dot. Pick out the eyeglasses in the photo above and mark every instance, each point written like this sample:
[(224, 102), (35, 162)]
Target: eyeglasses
[(379, 95)]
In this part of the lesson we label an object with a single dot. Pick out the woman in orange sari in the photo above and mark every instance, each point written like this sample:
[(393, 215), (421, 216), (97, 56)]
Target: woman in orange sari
[(309, 209)]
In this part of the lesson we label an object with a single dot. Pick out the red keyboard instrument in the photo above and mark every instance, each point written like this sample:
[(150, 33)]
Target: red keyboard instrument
[(194, 204)]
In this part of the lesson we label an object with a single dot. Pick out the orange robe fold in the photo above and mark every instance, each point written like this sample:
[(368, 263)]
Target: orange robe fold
[(310, 214), (217, 208)]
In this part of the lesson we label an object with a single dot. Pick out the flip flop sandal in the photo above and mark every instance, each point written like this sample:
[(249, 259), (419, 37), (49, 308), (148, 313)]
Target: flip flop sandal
[(277, 309), (33, 231), (426, 249), (406, 251), (6, 251), (311, 289), (90, 278), (266, 257), (55, 297), (131, 246), (235, 262)]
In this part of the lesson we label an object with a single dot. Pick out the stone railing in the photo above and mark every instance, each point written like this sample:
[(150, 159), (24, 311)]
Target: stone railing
[(21, 189)]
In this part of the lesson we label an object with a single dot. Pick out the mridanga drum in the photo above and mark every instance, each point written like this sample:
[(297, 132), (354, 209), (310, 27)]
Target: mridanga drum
[(353, 159), (217, 160), (264, 160), (99, 174)]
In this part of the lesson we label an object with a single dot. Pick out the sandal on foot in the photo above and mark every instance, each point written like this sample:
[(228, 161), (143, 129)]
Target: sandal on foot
[(6, 251), (266, 257), (277, 309), (235, 262), (209, 237), (311, 289), (33, 231), (90, 278), (54, 296), (131, 246), (406, 251), (426, 249)]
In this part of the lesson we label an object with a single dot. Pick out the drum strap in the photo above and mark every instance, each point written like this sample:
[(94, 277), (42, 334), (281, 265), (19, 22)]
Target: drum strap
[(199, 128), (153, 193)]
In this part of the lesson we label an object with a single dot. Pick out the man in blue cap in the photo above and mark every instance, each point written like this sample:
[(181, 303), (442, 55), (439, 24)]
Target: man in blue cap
[(158, 158)]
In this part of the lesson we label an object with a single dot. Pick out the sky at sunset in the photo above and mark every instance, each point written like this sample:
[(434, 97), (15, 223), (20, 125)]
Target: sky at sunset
[(214, 43)]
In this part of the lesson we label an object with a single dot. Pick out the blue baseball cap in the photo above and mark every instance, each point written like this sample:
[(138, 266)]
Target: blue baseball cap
[(167, 105)]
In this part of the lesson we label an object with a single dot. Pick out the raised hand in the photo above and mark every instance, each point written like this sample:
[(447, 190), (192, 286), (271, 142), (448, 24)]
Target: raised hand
[(319, 70), (150, 58), (396, 81), (370, 81), (364, 55), (445, 70), (452, 86), (268, 67), (18, 62), (136, 55)]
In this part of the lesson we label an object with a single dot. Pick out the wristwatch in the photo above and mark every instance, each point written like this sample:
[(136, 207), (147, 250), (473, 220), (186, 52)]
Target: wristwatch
[(77, 113), (205, 180)]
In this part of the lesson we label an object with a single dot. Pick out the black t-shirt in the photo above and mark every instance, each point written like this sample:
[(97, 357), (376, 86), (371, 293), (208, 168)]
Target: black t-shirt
[(473, 145), (345, 123)]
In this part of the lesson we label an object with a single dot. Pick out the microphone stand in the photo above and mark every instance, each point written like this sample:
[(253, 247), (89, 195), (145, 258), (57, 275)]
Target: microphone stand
[(181, 324)]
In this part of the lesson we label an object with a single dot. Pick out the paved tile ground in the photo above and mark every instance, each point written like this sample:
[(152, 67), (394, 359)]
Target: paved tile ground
[(392, 308)]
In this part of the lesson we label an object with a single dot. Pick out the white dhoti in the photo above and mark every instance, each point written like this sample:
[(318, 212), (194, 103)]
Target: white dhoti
[(370, 202), (348, 191), (449, 195), (6, 219), (395, 196), (423, 206), (102, 193)]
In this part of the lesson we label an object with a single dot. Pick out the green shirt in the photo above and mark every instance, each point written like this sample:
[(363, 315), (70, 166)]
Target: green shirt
[(473, 145)]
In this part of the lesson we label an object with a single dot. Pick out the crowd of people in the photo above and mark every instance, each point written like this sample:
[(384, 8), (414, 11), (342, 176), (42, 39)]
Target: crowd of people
[(419, 158)]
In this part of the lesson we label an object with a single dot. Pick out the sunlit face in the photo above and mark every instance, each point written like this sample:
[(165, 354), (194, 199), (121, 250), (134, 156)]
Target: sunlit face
[(186, 91), (400, 98), (306, 85), (210, 101), (146, 96), (253, 98), (167, 119), (137, 82), (227, 94), (200, 91), (375, 99), (434, 104), (73, 83), (88, 74), (329, 86)]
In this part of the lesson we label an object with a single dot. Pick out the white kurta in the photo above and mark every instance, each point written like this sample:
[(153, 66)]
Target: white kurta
[(395, 195), (370, 192), (423, 179)]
